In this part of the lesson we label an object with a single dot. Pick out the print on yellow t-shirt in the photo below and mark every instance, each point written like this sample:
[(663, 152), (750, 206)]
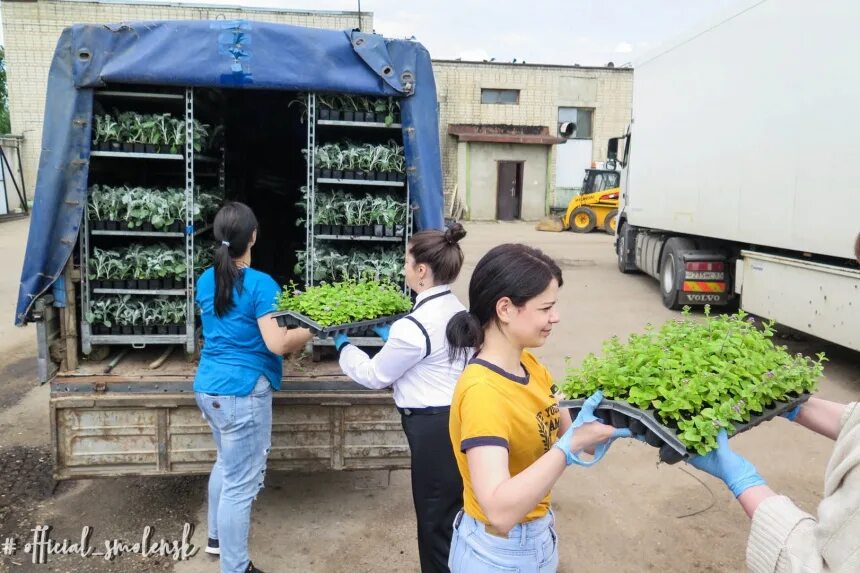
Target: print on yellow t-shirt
[(496, 408)]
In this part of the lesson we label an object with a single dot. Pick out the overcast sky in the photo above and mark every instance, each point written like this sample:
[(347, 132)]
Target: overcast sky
[(587, 32)]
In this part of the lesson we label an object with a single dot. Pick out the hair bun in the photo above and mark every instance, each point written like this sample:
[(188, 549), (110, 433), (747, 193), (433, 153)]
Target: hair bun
[(454, 233)]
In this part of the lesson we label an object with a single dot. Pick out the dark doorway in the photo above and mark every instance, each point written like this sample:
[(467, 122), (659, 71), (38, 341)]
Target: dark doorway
[(509, 193)]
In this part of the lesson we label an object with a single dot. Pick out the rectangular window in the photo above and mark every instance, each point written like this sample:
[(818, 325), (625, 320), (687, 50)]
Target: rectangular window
[(509, 97), (581, 116)]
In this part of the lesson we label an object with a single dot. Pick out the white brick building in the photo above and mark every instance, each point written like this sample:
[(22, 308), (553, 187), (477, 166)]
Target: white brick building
[(514, 137), (529, 102)]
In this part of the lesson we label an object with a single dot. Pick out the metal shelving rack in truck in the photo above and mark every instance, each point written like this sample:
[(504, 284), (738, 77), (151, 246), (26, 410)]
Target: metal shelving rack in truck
[(186, 231), (340, 129)]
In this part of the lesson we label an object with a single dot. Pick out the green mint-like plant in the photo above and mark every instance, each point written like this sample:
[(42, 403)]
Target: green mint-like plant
[(331, 304), (698, 376)]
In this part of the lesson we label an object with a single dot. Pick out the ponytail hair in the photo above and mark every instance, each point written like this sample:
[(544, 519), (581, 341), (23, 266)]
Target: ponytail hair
[(234, 227), (464, 331), (440, 250), (515, 271)]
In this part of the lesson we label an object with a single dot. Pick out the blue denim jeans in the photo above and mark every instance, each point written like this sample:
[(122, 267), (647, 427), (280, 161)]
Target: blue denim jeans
[(530, 547), (242, 430)]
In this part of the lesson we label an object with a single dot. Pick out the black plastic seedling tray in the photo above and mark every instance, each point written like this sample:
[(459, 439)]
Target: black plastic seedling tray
[(290, 319), (672, 450)]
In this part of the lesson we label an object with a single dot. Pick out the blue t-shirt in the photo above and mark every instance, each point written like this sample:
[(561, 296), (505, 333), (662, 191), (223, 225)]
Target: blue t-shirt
[(234, 354)]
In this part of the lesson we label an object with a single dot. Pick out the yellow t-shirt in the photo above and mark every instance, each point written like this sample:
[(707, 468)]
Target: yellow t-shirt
[(497, 408)]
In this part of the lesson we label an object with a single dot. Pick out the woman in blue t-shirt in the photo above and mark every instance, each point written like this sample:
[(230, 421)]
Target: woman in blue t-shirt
[(241, 362)]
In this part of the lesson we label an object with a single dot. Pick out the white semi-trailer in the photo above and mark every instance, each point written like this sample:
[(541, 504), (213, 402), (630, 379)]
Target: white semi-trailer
[(739, 177)]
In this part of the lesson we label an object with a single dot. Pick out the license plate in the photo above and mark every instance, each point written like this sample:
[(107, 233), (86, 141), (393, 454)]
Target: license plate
[(705, 276)]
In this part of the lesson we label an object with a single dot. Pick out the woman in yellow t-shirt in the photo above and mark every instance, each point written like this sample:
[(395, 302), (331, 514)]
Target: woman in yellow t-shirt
[(511, 440)]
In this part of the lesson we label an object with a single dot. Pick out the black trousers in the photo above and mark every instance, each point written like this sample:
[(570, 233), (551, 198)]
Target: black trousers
[(437, 488)]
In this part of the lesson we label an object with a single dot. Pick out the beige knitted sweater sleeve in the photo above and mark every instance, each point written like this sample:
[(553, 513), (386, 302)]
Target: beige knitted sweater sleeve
[(785, 539)]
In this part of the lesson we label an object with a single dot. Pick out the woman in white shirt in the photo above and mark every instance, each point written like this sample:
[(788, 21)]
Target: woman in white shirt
[(415, 362)]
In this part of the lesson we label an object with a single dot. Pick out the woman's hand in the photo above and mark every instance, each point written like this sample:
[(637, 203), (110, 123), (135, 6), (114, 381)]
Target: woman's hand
[(739, 475), (282, 340), (382, 331), (733, 469), (587, 433), (302, 336), (340, 340)]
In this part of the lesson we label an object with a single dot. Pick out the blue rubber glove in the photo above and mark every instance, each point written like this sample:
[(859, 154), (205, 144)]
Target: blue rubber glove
[(791, 415), (586, 416), (339, 340), (382, 330), (723, 463)]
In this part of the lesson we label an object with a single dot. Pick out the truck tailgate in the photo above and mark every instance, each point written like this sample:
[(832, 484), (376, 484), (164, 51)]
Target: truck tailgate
[(100, 435), (137, 423)]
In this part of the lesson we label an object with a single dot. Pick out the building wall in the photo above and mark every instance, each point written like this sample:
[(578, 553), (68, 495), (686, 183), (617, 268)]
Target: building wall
[(478, 170), (543, 89), (31, 30)]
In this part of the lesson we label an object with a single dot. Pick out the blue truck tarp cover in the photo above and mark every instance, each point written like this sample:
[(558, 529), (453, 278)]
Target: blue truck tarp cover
[(217, 54)]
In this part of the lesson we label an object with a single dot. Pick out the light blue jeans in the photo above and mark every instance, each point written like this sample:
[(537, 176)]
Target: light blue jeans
[(242, 430), (530, 547)]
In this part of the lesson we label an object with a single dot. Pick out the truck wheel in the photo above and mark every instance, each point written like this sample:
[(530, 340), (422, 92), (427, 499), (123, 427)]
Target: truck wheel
[(672, 271), (582, 220), (609, 223)]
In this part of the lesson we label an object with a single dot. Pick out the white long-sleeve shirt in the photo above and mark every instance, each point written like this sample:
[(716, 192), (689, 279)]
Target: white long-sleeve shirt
[(415, 359), (786, 539)]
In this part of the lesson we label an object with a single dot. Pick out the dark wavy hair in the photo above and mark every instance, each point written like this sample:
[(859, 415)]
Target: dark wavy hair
[(440, 250), (515, 271)]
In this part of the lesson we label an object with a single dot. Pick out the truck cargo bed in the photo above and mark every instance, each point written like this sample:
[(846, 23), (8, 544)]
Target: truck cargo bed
[(133, 369), (135, 421)]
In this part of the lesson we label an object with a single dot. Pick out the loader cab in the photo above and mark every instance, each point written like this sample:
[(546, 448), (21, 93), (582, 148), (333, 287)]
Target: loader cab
[(597, 180)]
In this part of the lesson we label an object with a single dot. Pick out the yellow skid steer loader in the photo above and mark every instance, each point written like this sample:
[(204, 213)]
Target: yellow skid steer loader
[(596, 205)]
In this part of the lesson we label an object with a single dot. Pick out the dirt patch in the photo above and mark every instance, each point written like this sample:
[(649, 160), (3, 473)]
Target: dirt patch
[(18, 377), (116, 508), (25, 481)]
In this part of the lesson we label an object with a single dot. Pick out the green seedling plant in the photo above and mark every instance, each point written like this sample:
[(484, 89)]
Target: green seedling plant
[(177, 135), (204, 256), (383, 264), (387, 158), (331, 304), (301, 260), (698, 376), (138, 205), (127, 310), (97, 129), (161, 130), (344, 208), (200, 135), (106, 265), (301, 100), (110, 129), (138, 262), (381, 105)]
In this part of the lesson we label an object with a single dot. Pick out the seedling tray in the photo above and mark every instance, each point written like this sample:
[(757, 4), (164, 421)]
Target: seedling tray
[(290, 319), (623, 415)]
